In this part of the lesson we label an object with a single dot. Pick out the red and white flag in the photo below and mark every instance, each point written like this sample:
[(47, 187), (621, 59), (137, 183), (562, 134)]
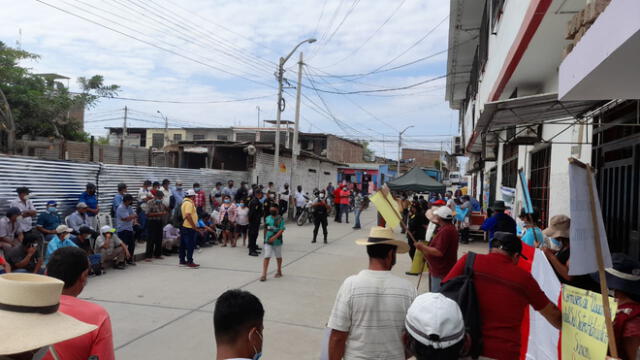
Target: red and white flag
[(540, 340)]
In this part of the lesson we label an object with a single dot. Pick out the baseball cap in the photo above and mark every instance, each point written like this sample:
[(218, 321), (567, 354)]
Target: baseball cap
[(190, 192), (507, 242), (107, 229), (435, 320), (444, 213), (81, 205), (52, 203)]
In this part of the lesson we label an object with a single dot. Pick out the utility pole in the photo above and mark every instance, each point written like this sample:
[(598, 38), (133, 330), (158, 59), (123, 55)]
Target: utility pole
[(295, 150), (258, 108), (400, 147), (280, 108), (124, 133)]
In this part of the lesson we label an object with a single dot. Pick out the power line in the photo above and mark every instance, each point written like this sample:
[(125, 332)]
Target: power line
[(324, 5), (324, 44), (183, 101), (393, 13), (380, 90), (151, 43)]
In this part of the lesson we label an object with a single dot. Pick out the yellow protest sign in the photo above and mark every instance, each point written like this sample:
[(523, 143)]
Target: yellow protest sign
[(384, 207), (584, 331)]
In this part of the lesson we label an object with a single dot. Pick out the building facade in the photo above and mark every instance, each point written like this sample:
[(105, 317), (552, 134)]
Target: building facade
[(503, 79)]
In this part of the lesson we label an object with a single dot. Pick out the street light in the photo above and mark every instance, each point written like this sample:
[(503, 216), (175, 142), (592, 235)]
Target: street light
[(400, 146), (280, 107)]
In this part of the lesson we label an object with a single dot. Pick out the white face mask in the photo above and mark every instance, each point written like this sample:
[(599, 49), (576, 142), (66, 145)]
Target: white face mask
[(26, 197), (258, 354)]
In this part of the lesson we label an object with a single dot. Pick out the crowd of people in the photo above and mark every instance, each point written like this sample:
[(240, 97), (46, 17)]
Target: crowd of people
[(376, 314)]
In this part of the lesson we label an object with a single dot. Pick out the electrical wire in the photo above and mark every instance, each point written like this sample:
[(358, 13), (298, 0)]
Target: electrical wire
[(151, 43), (183, 101), (393, 13), (324, 44), (379, 90)]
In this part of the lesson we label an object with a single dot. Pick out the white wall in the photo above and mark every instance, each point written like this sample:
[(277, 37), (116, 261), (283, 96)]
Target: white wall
[(264, 173)]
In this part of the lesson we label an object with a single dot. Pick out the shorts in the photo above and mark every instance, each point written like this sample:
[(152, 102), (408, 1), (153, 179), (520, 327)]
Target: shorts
[(272, 251), (241, 229), (225, 226)]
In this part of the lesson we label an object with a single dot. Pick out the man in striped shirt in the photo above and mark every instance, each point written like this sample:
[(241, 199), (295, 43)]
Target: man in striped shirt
[(368, 317)]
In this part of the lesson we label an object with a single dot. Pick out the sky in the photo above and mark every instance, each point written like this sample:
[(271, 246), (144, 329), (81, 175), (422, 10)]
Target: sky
[(211, 63)]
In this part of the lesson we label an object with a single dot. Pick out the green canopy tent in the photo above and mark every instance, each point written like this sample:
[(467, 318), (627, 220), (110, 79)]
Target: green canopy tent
[(417, 181)]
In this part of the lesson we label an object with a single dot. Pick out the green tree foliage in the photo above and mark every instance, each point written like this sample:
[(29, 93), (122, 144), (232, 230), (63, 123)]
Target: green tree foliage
[(367, 153), (40, 105)]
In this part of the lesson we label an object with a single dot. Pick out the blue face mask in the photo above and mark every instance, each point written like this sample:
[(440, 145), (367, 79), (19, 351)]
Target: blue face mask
[(241, 205), (52, 209), (556, 243), (226, 201), (196, 189), (258, 354)]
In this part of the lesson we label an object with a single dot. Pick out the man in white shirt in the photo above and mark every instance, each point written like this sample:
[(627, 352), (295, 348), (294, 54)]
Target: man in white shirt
[(301, 201), (238, 326), (285, 197), (367, 321), (28, 211)]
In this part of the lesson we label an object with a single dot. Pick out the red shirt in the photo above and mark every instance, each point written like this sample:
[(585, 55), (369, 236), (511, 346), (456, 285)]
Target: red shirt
[(200, 200), (344, 197), (336, 195), (446, 240), (99, 342), (504, 292)]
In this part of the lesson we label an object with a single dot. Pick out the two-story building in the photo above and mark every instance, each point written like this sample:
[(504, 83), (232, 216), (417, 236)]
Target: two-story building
[(502, 77)]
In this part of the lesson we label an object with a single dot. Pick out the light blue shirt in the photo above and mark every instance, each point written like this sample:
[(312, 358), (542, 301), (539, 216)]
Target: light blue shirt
[(123, 212), (56, 244)]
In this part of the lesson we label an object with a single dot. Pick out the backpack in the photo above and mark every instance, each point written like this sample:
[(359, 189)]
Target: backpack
[(177, 220), (462, 290)]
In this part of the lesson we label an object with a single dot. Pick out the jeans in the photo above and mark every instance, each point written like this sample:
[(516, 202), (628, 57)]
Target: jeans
[(187, 245), (154, 238), (127, 237), (435, 283), (357, 216), (344, 209)]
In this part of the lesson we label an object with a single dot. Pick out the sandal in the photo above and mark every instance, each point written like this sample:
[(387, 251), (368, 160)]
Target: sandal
[(263, 278)]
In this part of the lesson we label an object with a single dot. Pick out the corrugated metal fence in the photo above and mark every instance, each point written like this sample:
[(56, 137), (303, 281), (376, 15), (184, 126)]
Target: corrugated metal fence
[(64, 181)]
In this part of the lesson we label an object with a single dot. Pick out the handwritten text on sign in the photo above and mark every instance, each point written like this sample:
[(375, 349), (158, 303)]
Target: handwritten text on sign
[(584, 333)]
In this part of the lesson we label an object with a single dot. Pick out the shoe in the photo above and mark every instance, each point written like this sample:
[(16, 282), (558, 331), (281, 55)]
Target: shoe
[(356, 227), (119, 266), (253, 253), (193, 265), (313, 241), (325, 242), (183, 263), (131, 263)]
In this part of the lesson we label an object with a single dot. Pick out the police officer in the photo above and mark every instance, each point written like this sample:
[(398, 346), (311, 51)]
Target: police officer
[(256, 212), (320, 210)]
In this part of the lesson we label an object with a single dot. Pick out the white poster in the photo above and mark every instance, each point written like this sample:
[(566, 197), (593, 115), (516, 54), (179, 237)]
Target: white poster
[(583, 255)]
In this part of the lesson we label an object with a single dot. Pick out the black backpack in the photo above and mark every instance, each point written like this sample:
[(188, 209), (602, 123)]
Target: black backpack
[(462, 290), (177, 219)]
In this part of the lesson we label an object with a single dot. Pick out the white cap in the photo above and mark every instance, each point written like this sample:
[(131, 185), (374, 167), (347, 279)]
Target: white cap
[(106, 229), (444, 212), (435, 320), (63, 229), (81, 205), (190, 192)]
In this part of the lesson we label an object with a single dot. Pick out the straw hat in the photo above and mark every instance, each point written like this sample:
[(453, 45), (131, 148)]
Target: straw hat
[(29, 312), (382, 235), (559, 227)]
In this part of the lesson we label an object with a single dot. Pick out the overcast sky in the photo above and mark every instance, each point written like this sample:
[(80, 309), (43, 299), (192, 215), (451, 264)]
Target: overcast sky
[(203, 51)]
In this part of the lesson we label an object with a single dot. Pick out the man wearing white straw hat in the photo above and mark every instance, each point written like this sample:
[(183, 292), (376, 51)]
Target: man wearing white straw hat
[(30, 317), (367, 320)]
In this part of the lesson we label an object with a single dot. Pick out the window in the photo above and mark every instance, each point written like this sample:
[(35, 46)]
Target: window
[(510, 165), (222, 137), (327, 173), (157, 140), (177, 137), (312, 171), (539, 182), (197, 137)]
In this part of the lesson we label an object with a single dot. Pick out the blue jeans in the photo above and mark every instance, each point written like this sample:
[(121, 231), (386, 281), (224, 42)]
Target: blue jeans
[(357, 216), (187, 245), (344, 209)]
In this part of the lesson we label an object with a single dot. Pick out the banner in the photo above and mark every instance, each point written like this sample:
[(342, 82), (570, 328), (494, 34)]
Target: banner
[(508, 196), (584, 332), (583, 250), (385, 208), (419, 265)]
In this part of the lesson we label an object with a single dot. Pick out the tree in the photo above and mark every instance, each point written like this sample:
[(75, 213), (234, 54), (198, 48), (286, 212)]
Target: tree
[(38, 105), (367, 153)]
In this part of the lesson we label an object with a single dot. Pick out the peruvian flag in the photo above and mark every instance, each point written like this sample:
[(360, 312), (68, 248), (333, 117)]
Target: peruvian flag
[(540, 340)]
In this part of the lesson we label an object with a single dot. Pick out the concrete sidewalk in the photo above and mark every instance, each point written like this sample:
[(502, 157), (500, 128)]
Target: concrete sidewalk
[(162, 311)]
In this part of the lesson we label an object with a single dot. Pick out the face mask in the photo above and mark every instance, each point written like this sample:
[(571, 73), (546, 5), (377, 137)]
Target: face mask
[(52, 209), (179, 188), (262, 200), (555, 244), (321, 196), (258, 354), (26, 197), (196, 189), (227, 201), (242, 205)]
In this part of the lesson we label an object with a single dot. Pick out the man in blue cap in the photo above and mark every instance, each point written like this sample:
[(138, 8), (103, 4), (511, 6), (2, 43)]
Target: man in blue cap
[(49, 220)]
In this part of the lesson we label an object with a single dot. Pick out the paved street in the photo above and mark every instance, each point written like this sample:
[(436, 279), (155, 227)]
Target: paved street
[(162, 311)]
